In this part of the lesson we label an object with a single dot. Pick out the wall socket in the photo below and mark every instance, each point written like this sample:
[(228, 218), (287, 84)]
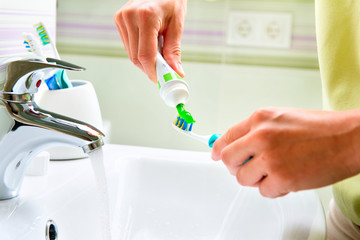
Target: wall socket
[(259, 29)]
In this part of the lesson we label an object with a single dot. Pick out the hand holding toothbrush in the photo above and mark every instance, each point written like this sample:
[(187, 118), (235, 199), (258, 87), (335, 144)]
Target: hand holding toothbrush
[(292, 149), (140, 22)]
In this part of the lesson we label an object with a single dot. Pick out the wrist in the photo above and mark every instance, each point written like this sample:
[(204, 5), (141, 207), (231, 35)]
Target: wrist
[(353, 122)]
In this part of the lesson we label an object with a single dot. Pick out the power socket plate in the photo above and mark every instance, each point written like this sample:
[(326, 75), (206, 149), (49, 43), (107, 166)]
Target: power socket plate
[(259, 29)]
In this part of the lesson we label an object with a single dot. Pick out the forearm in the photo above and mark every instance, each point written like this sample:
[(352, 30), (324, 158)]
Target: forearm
[(351, 139)]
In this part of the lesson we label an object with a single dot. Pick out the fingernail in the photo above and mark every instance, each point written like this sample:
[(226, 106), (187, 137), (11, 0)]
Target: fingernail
[(181, 69), (152, 77), (213, 157)]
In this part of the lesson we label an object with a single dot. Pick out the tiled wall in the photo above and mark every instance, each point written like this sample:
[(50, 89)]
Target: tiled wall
[(18, 16), (86, 27)]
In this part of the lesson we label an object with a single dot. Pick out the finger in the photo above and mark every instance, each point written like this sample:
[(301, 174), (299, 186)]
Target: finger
[(120, 25), (230, 136), (250, 174), (132, 30), (271, 189), (134, 44), (172, 42), (148, 38), (236, 154)]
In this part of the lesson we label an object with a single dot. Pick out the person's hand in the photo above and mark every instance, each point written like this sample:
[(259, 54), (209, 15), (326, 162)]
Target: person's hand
[(292, 149), (140, 22)]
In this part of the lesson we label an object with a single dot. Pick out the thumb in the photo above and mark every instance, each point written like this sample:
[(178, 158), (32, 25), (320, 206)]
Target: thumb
[(171, 48)]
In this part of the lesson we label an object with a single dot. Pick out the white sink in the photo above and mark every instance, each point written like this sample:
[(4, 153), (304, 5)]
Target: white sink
[(155, 194)]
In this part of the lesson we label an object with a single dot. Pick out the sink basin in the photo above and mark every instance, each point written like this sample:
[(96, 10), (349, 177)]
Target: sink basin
[(154, 194)]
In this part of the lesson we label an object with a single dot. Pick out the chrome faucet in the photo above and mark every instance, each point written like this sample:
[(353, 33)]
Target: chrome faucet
[(25, 128)]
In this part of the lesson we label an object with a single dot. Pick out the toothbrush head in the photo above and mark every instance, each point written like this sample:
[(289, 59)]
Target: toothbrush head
[(185, 120), (28, 46), (182, 124), (43, 34), (31, 44)]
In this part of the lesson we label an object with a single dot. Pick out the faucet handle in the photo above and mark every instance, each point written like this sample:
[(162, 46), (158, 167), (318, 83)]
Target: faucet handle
[(65, 65), (25, 75)]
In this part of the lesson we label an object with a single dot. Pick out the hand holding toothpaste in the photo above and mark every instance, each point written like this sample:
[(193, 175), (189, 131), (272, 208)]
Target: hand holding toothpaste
[(140, 22)]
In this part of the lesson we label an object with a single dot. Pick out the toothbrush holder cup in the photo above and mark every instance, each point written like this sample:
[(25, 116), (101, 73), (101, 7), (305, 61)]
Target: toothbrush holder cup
[(79, 102)]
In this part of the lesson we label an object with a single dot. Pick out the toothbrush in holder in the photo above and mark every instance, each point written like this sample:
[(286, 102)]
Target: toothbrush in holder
[(59, 80), (31, 44), (45, 38)]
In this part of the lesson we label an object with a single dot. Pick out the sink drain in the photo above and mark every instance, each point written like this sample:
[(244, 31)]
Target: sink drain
[(51, 231)]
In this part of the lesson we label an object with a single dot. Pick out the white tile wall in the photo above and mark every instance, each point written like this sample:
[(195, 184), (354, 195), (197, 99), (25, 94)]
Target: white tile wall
[(88, 27), (18, 16)]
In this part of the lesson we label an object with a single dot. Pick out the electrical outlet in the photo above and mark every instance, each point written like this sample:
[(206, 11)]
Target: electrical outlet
[(259, 29), (242, 28)]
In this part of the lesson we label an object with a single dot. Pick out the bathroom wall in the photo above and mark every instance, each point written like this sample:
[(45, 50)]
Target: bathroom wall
[(18, 16), (86, 27)]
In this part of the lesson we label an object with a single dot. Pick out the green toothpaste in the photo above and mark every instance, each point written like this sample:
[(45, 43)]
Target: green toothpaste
[(184, 114)]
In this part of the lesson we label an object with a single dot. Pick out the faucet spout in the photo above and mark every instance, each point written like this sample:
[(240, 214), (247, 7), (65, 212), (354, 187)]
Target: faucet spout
[(28, 129), (24, 142)]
